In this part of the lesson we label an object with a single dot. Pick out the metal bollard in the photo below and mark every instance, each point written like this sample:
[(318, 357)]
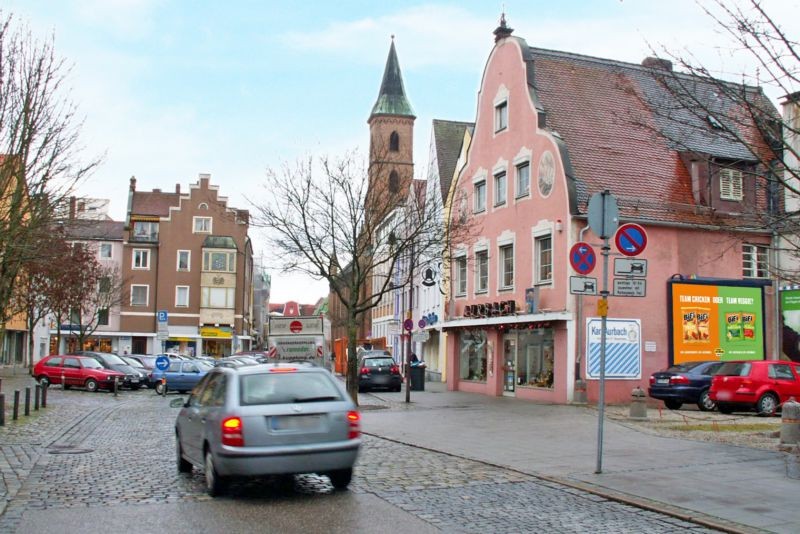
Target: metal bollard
[(15, 409), (44, 395), (27, 401), (2, 409), (116, 386), (1, 384), (580, 392), (164, 389), (638, 404), (63, 382), (790, 422), (37, 394)]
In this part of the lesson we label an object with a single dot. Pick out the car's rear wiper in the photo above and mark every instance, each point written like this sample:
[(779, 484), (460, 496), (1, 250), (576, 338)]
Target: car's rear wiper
[(316, 399)]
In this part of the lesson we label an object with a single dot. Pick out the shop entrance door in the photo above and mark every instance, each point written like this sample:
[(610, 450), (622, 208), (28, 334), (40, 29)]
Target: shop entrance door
[(509, 364)]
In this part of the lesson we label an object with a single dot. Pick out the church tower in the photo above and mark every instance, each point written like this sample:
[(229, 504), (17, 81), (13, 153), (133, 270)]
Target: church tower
[(391, 128)]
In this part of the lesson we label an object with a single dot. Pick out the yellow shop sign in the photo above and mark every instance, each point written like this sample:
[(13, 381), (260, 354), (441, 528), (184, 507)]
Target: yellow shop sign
[(215, 331)]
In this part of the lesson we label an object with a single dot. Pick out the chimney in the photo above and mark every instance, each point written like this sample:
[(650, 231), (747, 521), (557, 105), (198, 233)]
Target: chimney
[(133, 183), (177, 189), (156, 190), (657, 63), (72, 204)]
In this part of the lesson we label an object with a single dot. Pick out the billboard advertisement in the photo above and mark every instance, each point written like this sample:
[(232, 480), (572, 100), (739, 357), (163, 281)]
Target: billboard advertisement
[(716, 321), (790, 313)]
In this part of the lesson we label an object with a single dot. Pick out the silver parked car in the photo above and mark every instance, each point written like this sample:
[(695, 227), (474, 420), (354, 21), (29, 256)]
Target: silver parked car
[(268, 419)]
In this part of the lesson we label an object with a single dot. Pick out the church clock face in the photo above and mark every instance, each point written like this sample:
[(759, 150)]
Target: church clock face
[(547, 173)]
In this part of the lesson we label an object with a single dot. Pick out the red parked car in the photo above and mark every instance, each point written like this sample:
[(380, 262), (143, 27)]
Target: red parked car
[(759, 385), (81, 371)]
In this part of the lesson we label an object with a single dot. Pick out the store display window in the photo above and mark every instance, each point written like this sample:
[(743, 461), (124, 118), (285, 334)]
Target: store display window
[(472, 355)]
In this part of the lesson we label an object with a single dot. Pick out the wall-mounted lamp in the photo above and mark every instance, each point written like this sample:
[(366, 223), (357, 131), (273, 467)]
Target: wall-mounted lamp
[(559, 226)]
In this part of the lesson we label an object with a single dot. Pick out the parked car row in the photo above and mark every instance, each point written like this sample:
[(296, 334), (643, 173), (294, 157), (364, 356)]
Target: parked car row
[(760, 385)]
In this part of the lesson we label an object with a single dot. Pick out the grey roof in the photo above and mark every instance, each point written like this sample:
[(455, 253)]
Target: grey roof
[(86, 229), (392, 96), (448, 137), (219, 241)]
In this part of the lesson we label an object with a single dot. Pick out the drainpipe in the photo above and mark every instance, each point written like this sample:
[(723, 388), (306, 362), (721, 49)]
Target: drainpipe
[(579, 394)]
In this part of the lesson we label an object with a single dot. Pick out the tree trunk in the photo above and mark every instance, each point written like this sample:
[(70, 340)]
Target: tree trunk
[(352, 358)]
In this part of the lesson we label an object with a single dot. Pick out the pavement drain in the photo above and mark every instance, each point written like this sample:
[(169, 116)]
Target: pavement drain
[(67, 449)]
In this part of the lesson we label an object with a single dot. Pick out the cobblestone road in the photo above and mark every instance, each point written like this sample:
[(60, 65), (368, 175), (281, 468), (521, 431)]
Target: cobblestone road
[(94, 450)]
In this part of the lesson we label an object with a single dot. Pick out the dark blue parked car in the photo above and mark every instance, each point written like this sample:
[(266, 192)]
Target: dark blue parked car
[(684, 383), (181, 375)]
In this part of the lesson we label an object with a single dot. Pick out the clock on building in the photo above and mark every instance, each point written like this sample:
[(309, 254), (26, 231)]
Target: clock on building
[(547, 173)]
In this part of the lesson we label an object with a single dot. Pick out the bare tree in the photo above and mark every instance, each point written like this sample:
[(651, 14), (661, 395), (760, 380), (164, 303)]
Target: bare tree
[(39, 151), (693, 106), (324, 219)]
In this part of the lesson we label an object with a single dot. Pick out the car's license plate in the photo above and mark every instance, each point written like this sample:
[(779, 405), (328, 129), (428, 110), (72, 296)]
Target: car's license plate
[(662, 381), (134, 380), (295, 422)]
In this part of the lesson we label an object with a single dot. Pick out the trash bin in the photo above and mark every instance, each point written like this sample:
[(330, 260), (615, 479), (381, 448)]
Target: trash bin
[(417, 378)]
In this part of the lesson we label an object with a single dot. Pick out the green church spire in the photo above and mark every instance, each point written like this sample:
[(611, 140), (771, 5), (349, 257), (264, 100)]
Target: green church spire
[(392, 97)]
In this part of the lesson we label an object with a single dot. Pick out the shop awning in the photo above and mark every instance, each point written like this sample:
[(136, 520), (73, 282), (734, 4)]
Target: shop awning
[(507, 319)]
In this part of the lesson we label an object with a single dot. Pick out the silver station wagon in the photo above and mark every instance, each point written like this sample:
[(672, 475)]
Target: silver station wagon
[(268, 419)]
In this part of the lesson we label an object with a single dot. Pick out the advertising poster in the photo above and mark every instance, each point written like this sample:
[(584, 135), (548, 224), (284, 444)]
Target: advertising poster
[(790, 312), (623, 348), (716, 322)]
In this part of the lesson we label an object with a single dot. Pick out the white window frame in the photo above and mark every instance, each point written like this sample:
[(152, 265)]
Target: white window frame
[(178, 303), (140, 253), (479, 186), (146, 294), (519, 191), (502, 258), (540, 263), (229, 297), (460, 270), (110, 249), (482, 279), (230, 260), (501, 116), (500, 197), (202, 230), (188, 261), (755, 261), (730, 185)]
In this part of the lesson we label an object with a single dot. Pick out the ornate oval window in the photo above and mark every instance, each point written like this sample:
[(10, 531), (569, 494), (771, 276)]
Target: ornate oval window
[(547, 173)]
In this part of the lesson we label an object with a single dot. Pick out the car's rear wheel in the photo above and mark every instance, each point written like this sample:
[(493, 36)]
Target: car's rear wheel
[(705, 403), (44, 381), (160, 388), (341, 478), (673, 404), (397, 388), (724, 408), (67, 386), (215, 484), (184, 466), (136, 387), (767, 405), (91, 385)]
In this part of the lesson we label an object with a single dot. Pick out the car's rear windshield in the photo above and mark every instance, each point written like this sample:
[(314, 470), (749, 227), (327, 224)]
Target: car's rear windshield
[(683, 367), (287, 387), (91, 363), (378, 362), (734, 369), (113, 359)]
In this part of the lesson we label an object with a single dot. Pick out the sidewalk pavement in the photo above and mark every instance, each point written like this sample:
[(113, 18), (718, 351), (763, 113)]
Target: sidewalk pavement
[(732, 488)]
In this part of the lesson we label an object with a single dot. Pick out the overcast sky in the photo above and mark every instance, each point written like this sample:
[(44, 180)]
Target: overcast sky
[(173, 89)]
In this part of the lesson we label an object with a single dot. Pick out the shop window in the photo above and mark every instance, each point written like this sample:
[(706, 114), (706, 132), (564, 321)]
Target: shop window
[(535, 358), (472, 355)]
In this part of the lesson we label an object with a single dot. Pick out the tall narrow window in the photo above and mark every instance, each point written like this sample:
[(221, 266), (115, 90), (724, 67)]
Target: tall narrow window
[(754, 261), (501, 116), (544, 255), (500, 189), (730, 184), (507, 267), (141, 258), (481, 271), (480, 196), (181, 296), (394, 142), (523, 179), (102, 317), (394, 182), (461, 276), (184, 260)]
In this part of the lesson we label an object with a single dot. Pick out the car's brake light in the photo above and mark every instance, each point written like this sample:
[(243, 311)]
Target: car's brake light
[(232, 432), (283, 370), (353, 421), (678, 379), (652, 380), (394, 370), (364, 371)]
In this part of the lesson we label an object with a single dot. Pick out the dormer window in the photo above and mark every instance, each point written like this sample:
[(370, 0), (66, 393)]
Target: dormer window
[(730, 185), (394, 142), (501, 116)]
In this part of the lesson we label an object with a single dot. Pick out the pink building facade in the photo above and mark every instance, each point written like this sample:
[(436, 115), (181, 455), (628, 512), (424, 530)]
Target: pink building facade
[(551, 130)]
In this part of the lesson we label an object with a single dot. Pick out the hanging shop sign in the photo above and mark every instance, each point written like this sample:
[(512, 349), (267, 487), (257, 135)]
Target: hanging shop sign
[(716, 320), (221, 332), (623, 348)]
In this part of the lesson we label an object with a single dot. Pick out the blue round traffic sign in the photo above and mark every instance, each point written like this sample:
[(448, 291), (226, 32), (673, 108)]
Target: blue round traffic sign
[(162, 363), (582, 257), (631, 239)]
